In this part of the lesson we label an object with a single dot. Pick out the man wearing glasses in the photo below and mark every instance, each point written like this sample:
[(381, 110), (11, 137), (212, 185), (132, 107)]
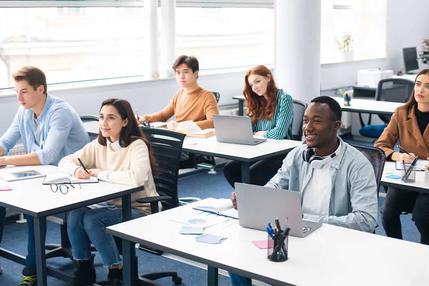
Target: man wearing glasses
[(49, 129)]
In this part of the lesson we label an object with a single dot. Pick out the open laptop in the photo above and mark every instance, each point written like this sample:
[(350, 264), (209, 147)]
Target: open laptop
[(257, 206), (235, 129)]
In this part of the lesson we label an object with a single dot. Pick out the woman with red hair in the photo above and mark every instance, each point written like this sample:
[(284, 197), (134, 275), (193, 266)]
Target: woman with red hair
[(271, 111)]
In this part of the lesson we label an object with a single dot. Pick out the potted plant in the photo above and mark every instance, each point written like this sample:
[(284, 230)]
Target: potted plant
[(345, 46)]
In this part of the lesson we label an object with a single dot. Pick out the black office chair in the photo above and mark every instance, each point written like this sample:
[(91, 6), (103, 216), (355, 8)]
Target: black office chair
[(63, 249), (376, 157), (298, 116), (391, 89), (166, 147)]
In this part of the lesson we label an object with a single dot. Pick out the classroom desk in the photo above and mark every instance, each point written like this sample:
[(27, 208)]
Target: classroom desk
[(368, 106), (32, 198), (245, 154), (330, 256), (420, 185)]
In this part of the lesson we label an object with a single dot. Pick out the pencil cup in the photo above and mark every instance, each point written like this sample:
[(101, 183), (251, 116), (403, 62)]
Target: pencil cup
[(409, 173), (277, 248)]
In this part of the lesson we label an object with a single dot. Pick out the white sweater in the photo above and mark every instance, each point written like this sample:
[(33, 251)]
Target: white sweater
[(128, 166)]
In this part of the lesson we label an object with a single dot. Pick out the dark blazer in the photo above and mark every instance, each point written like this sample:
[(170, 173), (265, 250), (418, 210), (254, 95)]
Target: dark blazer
[(403, 127)]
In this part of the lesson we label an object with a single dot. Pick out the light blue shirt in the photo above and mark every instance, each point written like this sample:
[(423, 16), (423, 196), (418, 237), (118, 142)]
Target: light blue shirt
[(353, 201), (60, 132)]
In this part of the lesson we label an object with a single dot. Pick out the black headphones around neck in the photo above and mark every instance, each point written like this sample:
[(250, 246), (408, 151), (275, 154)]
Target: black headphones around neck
[(308, 155)]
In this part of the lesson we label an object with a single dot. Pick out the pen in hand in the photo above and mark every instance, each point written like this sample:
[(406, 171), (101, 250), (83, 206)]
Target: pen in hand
[(82, 165)]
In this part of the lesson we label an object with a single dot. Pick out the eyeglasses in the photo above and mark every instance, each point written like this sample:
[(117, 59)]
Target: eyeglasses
[(63, 188)]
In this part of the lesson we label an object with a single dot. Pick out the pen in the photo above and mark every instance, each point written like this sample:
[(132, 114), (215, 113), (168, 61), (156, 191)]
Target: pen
[(83, 166)]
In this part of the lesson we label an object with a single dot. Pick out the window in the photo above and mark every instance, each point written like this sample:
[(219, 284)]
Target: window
[(353, 30), (72, 43), (226, 37)]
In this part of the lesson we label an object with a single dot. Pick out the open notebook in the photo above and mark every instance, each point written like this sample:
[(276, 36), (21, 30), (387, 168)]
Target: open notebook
[(64, 178)]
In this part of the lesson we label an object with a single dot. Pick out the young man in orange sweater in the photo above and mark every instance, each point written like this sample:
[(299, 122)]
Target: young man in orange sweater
[(191, 102)]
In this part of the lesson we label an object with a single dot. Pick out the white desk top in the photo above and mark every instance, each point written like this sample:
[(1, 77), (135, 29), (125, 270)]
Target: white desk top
[(421, 184), (210, 146), (330, 256), (368, 106), (30, 196)]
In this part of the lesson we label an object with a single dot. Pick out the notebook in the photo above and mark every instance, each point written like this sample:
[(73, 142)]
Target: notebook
[(257, 206), (235, 129), (64, 178)]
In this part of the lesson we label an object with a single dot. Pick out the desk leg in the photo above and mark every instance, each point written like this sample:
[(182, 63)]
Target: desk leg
[(212, 276), (128, 249), (245, 172), (39, 230), (241, 107)]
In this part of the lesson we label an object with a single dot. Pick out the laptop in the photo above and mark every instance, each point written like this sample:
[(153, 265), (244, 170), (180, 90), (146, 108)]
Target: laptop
[(235, 129), (257, 206)]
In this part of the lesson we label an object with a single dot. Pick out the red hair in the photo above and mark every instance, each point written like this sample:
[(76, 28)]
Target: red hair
[(257, 106)]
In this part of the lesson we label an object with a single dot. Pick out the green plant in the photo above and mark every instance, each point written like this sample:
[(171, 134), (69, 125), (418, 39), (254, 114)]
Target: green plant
[(345, 44)]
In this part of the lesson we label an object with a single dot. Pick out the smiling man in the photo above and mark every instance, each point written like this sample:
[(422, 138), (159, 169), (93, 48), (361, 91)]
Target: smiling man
[(336, 181), (191, 102), (49, 128)]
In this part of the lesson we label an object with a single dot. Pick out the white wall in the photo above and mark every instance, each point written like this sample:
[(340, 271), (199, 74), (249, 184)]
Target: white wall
[(406, 26)]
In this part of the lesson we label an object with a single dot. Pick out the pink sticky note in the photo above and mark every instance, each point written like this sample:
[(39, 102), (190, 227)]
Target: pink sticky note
[(263, 244)]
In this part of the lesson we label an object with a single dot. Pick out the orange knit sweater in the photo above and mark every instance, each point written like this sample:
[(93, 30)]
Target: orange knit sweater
[(199, 105)]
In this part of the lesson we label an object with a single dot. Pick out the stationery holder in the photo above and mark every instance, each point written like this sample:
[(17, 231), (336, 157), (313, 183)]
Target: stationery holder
[(409, 173), (277, 249)]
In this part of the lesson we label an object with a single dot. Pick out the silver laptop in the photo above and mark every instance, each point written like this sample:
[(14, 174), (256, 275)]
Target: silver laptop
[(235, 129), (257, 206)]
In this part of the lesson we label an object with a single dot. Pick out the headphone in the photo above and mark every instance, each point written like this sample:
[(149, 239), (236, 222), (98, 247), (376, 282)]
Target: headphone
[(316, 161)]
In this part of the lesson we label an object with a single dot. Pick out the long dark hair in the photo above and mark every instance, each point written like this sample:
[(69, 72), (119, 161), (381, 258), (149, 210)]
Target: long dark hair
[(412, 101), (129, 133), (257, 106)]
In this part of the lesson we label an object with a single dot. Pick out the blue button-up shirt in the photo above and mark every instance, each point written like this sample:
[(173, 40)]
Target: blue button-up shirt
[(60, 133)]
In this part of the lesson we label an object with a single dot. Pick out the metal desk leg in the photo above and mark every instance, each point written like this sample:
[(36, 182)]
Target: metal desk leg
[(212, 276), (39, 230), (245, 172), (128, 249), (241, 107)]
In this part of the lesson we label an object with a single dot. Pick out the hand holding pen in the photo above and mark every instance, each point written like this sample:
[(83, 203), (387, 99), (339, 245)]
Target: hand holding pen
[(82, 172), (405, 156)]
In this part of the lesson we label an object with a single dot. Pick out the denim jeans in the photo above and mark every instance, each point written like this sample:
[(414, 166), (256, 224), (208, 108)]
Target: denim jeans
[(87, 225), (398, 201), (238, 280)]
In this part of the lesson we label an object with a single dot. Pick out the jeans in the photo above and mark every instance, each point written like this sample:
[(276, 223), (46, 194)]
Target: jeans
[(238, 280), (260, 172), (87, 225), (398, 201)]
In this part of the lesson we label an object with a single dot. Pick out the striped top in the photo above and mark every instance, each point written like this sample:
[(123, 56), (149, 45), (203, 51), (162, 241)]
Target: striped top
[(277, 128)]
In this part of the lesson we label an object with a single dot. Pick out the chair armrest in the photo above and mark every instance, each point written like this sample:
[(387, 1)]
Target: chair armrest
[(154, 201)]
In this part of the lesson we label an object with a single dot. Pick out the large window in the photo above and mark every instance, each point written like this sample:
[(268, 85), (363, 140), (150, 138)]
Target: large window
[(226, 37), (72, 43), (89, 39), (353, 30)]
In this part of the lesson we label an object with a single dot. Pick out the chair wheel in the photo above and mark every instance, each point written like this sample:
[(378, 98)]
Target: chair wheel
[(177, 280)]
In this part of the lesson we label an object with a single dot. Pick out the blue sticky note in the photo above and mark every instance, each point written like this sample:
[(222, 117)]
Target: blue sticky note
[(210, 238), (393, 176)]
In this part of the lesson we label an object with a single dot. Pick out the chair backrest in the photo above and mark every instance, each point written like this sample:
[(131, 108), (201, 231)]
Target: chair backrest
[(217, 95), (166, 147), (298, 114), (395, 90), (90, 122), (376, 157)]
